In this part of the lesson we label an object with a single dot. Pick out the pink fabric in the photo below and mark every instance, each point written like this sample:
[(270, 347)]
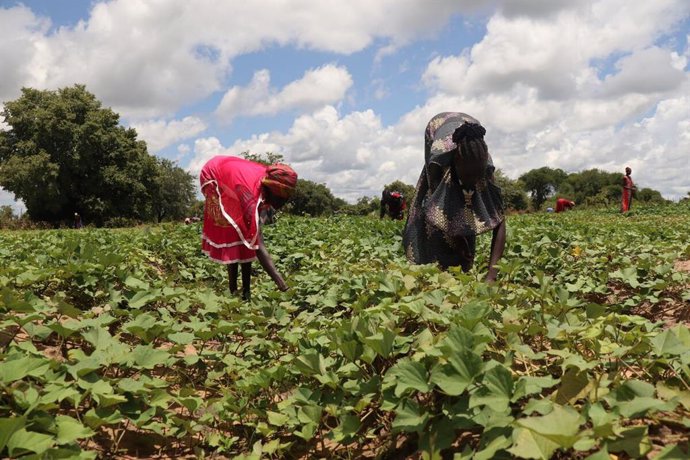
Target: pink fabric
[(232, 187)]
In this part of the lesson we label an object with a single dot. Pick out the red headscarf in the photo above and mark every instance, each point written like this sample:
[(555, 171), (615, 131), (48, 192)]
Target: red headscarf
[(281, 180)]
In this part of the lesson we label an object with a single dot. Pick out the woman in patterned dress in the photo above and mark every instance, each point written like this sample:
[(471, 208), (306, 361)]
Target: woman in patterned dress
[(456, 197), (237, 191)]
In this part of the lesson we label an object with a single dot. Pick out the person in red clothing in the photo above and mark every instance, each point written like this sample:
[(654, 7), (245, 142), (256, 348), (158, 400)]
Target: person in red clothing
[(393, 204), (237, 191), (628, 188), (563, 205)]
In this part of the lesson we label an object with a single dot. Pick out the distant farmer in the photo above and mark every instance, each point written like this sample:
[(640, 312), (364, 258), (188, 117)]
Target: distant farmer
[(627, 194), (393, 204), (77, 221), (456, 197), (237, 191), (563, 205)]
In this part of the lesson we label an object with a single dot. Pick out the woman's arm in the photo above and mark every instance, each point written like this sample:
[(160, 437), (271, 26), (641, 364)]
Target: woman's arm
[(498, 244), (267, 263)]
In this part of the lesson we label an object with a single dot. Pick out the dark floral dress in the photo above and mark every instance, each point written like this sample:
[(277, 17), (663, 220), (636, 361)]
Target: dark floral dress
[(445, 218)]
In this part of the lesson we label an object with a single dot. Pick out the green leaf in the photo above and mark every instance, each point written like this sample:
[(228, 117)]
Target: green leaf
[(349, 425), (19, 367), (633, 441), (667, 343), (573, 383), (8, 426), (497, 390), (23, 441), (454, 378), (277, 419), (381, 342), (69, 429), (539, 437), (409, 375), (183, 338), (410, 417), (148, 357)]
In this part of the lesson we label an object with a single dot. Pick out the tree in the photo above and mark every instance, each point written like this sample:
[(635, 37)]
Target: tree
[(514, 196), (266, 158), (363, 207), (7, 217), (542, 183), (64, 153), (175, 191), (648, 195), (313, 199), (592, 186)]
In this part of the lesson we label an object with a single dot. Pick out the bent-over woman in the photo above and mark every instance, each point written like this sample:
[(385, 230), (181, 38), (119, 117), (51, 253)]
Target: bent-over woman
[(237, 191), (456, 197)]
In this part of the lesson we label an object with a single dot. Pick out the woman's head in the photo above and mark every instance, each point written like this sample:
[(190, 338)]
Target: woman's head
[(279, 184), (472, 155)]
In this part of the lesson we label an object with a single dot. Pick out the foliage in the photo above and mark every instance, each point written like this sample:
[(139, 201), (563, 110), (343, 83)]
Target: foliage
[(313, 199), (7, 217), (266, 158), (365, 206), (64, 153), (513, 192), (648, 195), (541, 183), (123, 343), (175, 192)]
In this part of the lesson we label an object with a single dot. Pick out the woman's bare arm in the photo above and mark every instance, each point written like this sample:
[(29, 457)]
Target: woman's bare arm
[(267, 263), (498, 243)]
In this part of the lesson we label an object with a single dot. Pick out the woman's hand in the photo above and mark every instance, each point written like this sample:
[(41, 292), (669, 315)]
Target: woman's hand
[(282, 286)]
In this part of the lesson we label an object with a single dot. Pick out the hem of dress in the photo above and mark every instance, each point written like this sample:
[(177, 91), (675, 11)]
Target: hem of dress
[(227, 262)]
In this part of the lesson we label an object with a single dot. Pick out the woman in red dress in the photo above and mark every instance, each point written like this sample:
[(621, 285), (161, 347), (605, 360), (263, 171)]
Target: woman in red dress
[(237, 191), (563, 205), (628, 187)]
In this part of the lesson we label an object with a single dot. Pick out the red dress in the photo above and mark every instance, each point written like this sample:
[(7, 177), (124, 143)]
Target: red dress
[(232, 187), (626, 199), (562, 204)]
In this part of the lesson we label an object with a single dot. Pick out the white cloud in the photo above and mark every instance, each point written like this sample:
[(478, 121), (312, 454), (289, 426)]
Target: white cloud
[(545, 98), (149, 59), (20, 32), (354, 154), (159, 134), (317, 87), (647, 71)]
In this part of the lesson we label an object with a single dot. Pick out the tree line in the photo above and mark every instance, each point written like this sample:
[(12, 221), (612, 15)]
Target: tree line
[(64, 153)]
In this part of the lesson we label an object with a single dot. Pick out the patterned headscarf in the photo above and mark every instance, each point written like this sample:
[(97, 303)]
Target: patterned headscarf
[(281, 180)]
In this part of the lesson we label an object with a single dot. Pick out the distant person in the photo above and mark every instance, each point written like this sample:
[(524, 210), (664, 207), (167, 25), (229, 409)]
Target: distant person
[(456, 197), (627, 193), (77, 221), (563, 205), (393, 204), (237, 191)]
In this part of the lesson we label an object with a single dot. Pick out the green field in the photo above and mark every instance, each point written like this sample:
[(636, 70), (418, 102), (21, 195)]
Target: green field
[(127, 343)]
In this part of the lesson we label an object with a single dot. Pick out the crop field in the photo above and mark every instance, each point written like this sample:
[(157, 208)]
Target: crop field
[(126, 343)]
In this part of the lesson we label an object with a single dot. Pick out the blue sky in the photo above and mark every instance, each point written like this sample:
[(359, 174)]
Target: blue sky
[(344, 89)]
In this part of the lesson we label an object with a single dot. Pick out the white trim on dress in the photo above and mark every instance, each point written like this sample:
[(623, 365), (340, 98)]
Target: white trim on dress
[(227, 262), (222, 245), (250, 245)]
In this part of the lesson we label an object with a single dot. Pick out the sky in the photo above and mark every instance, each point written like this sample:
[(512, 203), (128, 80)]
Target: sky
[(344, 90)]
